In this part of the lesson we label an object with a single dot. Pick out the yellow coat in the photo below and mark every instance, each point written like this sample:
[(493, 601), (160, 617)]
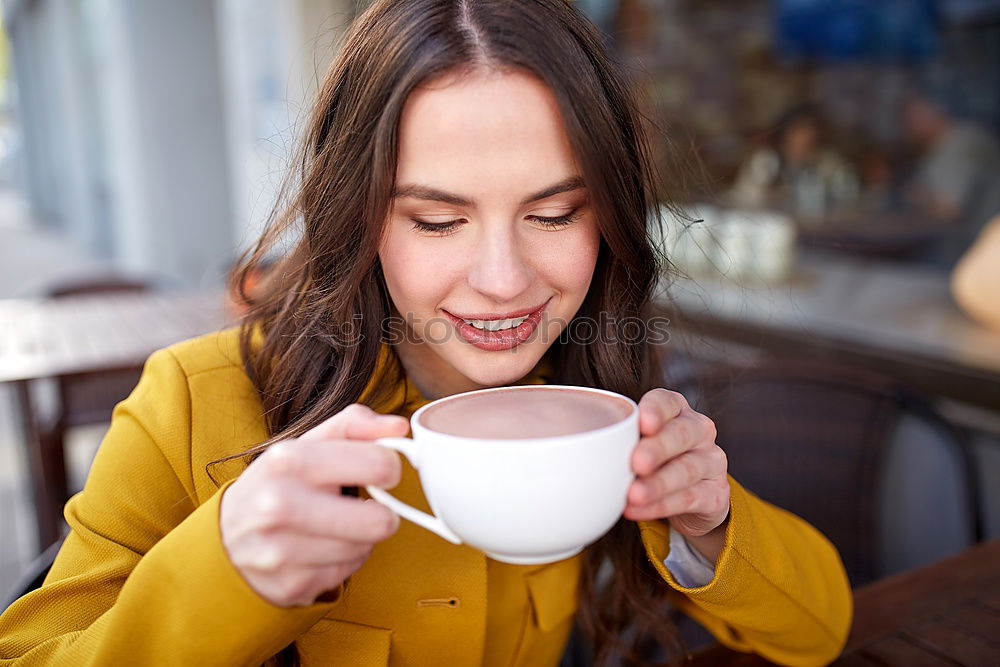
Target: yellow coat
[(143, 578)]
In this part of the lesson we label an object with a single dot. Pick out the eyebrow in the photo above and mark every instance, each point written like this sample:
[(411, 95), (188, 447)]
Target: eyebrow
[(433, 194)]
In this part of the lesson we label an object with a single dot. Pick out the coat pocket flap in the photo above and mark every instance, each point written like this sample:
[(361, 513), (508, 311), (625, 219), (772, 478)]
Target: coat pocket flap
[(331, 641), (553, 592)]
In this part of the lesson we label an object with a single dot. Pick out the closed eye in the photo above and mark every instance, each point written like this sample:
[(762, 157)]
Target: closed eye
[(450, 227), (560, 221), (437, 228)]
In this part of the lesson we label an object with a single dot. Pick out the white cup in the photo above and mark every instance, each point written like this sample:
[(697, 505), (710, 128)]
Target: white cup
[(520, 500)]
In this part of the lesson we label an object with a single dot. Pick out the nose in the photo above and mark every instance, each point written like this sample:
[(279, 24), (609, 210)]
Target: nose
[(499, 268)]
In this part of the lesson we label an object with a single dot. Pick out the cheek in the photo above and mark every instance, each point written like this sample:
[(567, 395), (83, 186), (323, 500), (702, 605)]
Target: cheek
[(418, 280), (570, 263), (395, 267), (406, 264)]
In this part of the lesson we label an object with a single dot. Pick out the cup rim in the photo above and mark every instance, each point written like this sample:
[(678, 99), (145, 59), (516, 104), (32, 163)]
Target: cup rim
[(416, 425)]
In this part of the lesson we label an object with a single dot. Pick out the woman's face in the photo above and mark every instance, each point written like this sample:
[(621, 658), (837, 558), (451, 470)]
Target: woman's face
[(489, 228), (800, 141)]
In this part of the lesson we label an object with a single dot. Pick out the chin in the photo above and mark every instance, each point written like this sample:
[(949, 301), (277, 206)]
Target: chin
[(497, 369)]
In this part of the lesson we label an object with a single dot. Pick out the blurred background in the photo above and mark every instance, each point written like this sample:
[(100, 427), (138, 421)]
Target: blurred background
[(836, 162)]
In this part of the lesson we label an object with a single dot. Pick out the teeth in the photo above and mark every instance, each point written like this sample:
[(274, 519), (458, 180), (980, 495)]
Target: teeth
[(497, 325)]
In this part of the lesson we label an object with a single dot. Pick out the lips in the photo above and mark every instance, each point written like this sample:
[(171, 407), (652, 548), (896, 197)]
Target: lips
[(504, 339)]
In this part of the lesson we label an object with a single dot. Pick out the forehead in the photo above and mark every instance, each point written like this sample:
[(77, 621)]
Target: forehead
[(484, 129)]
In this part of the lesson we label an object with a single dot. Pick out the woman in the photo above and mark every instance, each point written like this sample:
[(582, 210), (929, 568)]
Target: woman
[(467, 160), (796, 171)]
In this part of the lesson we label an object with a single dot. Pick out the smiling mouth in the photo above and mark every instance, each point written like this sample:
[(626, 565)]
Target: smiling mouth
[(495, 325), (498, 332), (498, 321)]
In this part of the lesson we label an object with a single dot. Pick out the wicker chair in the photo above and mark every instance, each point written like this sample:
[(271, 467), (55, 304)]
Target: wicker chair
[(867, 461)]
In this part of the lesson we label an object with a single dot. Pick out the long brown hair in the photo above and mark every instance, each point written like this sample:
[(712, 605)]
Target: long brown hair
[(330, 280)]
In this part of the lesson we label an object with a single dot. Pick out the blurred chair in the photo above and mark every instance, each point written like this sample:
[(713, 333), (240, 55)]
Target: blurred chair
[(867, 461), (82, 399)]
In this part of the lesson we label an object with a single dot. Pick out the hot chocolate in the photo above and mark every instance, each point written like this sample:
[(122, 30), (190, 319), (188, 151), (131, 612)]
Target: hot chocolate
[(525, 412)]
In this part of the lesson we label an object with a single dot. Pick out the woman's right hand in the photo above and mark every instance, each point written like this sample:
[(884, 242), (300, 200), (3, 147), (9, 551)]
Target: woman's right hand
[(286, 526)]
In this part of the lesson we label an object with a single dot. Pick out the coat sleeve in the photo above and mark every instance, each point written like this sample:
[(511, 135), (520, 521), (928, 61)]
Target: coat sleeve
[(143, 577), (779, 590)]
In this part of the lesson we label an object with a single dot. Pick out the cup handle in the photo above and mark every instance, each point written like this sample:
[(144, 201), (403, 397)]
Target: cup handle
[(408, 448)]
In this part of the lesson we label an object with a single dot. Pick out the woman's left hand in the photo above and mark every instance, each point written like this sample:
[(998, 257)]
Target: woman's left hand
[(680, 471)]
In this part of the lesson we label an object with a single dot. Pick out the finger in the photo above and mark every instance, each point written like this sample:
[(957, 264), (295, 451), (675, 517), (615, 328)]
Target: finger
[(332, 576), (268, 554), (708, 497), (332, 464), (282, 507), (658, 406), (684, 432), (683, 471), (358, 422), (301, 586)]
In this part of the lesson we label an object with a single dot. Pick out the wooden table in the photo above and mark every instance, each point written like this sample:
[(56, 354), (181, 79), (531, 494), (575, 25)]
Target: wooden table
[(87, 336), (946, 613), (895, 318)]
